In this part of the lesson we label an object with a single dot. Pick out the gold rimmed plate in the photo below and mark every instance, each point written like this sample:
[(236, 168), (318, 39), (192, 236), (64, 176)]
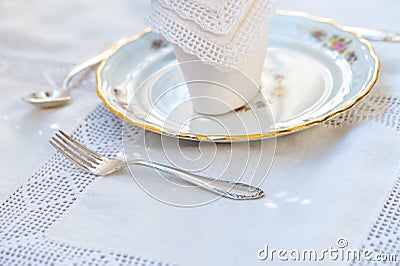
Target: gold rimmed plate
[(314, 70)]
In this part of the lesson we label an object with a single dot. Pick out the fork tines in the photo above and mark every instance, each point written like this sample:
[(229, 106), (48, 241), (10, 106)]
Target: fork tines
[(76, 152)]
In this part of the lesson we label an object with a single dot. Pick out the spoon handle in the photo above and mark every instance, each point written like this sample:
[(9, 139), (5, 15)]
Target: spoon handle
[(88, 63), (366, 33), (376, 35)]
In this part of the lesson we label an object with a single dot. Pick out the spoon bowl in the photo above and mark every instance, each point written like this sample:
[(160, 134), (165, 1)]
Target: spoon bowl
[(61, 96), (47, 99)]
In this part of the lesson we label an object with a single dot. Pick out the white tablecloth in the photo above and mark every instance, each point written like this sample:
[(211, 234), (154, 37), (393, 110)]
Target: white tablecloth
[(42, 40)]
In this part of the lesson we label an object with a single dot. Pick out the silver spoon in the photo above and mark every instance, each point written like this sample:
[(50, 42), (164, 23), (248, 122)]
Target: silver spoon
[(61, 95), (376, 35), (366, 33)]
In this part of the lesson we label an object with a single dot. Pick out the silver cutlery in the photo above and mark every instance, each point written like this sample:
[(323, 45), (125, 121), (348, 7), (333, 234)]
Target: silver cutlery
[(375, 35), (60, 96), (366, 33), (97, 164)]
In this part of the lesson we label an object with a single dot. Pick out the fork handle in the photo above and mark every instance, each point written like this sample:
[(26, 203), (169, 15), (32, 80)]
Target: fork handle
[(229, 189)]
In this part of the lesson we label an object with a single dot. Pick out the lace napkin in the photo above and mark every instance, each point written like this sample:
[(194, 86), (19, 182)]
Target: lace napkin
[(221, 32)]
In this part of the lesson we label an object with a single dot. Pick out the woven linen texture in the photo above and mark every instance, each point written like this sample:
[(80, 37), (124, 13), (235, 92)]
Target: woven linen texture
[(43, 199), (207, 46)]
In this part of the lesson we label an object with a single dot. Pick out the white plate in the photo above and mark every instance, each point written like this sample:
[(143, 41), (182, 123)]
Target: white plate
[(313, 71)]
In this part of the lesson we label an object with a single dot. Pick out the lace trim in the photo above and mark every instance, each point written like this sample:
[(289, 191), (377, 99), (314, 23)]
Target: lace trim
[(28, 213), (380, 108), (213, 17), (215, 52)]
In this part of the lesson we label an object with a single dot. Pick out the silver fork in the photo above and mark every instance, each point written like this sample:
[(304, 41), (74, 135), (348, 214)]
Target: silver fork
[(97, 164)]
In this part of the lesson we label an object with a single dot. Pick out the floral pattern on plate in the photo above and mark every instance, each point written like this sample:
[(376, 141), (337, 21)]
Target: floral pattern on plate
[(158, 43), (302, 97), (277, 91), (336, 43)]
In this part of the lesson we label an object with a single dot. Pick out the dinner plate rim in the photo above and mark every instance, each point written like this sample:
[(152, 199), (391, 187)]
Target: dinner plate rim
[(233, 138)]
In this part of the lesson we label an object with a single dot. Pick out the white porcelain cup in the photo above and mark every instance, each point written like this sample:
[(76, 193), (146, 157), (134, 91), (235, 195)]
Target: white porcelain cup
[(215, 91)]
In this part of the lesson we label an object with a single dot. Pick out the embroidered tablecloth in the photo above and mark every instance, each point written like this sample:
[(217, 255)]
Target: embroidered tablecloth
[(52, 212)]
